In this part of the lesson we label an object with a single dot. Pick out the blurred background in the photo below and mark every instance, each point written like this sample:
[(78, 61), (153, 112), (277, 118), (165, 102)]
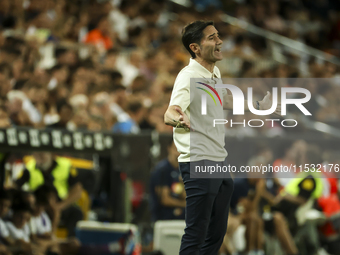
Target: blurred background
[(84, 85)]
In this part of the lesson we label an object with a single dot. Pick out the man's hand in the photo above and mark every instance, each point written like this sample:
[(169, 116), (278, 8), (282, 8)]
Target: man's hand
[(277, 200), (266, 104), (183, 119), (175, 117)]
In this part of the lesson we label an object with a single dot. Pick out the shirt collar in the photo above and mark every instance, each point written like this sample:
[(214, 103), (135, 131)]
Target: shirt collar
[(202, 70)]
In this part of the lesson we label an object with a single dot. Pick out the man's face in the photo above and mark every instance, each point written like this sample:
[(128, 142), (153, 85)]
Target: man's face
[(104, 26), (65, 114), (5, 85), (210, 47), (20, 218), (5, 204), (119, 96), (43, 160), (110, 61)]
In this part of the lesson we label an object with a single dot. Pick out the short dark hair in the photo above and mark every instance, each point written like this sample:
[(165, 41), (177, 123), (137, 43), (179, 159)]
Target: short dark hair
[(22, 207), (19, 84), (5, 195), (193, 33), (58, 52), (116, 75), (9, 22), (63, 103), (134, 106), (112, 51)]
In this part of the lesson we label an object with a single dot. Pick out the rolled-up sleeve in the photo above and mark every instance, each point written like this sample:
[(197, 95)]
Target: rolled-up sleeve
[(181, 92)]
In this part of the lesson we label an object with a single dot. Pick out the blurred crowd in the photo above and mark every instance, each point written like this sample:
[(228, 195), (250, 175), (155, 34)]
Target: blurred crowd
[(292, 211), (26, 225), (41, 207), (297, 209), (111, 65)]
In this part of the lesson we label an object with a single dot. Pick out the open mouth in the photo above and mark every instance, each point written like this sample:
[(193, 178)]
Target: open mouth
[(217, 50)]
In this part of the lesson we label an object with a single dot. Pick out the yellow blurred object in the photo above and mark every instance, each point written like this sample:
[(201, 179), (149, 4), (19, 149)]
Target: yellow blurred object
[(82, 163), (76, 162), (84, 203), (308, 184), (61, 233), (27, 158)]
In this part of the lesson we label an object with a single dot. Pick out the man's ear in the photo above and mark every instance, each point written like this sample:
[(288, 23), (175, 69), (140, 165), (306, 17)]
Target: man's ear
[(195, 48)]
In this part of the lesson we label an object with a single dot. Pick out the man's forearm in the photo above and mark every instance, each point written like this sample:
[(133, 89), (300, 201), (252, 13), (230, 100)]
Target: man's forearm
[(171, 116), (169, 201), (173, 202), (73, 196), (295, 199)]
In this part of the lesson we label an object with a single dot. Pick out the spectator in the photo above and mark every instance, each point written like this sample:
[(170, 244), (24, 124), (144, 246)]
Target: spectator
[(5, 121), (250, 195), (135, 111), (65, 114), (111, 59), (130, 68), (44, 168), (166, 188), (5, 204), (100, 111), (46, 197), (245, 205), (59, 75), (293, 155), (18, 228), (66, 56), (101, 36), (302, 192)]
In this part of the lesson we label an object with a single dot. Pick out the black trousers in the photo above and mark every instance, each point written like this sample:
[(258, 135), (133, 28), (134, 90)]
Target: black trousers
[(207, 208)]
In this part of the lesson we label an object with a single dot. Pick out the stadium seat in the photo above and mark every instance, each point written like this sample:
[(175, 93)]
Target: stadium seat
[(167, 236), (93, 233)]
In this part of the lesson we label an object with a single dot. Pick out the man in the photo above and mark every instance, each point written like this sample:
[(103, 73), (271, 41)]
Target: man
[(101, 36), (43, 168), (252, 196), (207, 199), (65, 112), (130, 125), (41, 224), (298, 197), (5, 204), (166, 189), (17, 226)]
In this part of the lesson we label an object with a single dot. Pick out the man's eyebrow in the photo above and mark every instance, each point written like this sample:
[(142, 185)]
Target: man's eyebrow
[(218, 33)]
